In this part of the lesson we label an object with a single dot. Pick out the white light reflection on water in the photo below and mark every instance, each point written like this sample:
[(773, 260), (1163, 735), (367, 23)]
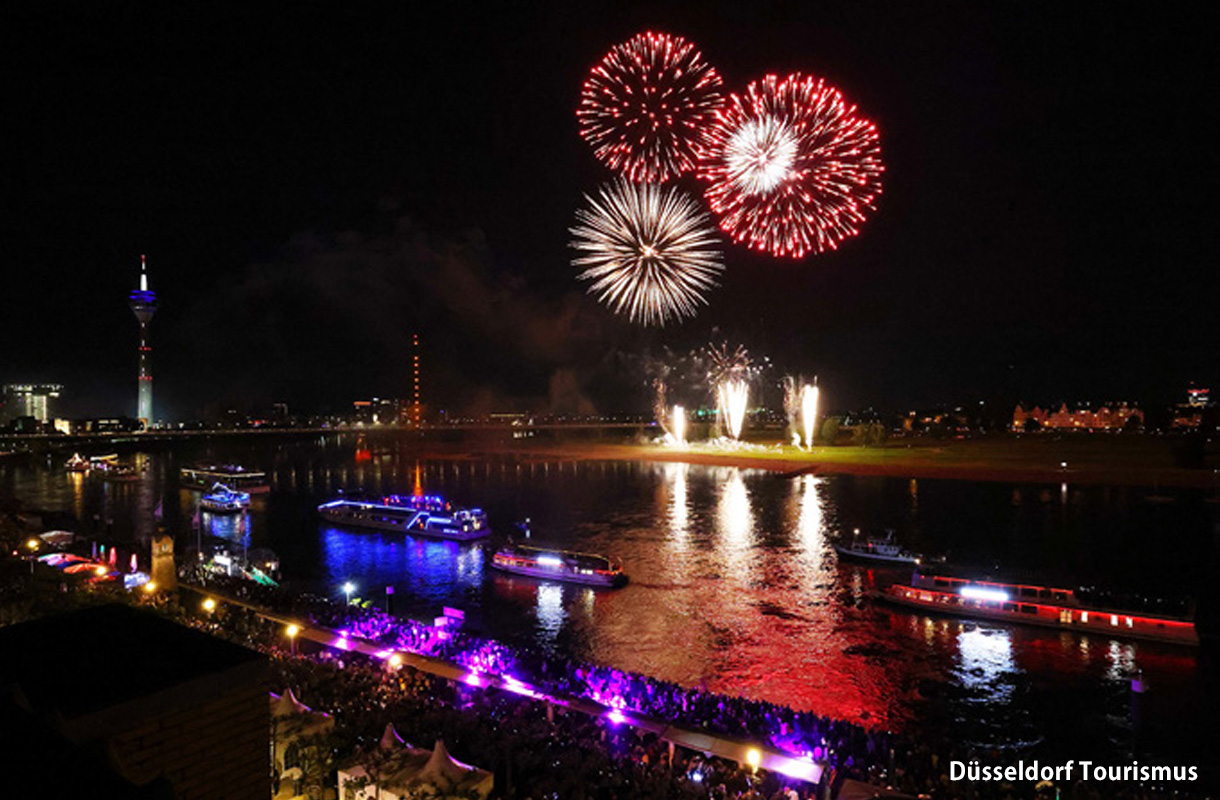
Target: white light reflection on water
[(984, 662), (1122, 660), (679, 506), (735, 527), (810, 525), (550, 612)]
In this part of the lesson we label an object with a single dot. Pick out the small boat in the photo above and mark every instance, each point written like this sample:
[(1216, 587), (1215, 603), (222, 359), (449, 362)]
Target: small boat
[(112, 471), (77, 463), (443, 522), (235, 476), (224, 500), (1031, 604), (555, 564), (878, 550)]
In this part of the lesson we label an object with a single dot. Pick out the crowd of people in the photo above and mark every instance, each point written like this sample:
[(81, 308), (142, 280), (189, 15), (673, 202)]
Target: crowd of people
[(615, 761)]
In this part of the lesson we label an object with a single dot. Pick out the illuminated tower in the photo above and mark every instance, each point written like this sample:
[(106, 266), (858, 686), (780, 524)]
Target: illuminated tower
[(143, 302), (415, 375)]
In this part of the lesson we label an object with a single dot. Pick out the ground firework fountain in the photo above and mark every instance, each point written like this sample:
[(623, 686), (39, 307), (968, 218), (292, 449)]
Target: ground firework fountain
[(733, 396), (809, 412), (678, 423)]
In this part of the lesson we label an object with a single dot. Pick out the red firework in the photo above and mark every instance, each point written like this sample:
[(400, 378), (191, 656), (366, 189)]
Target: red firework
[(792, 168), (649, 106)]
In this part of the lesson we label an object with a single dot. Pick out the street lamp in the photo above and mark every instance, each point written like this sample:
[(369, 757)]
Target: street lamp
[(348, 588), (292, 632), (209, 605)]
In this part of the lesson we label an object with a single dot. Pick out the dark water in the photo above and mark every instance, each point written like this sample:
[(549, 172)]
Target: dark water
[(734, 584)]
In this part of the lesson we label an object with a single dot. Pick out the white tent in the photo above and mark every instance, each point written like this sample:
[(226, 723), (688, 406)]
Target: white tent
[(411, 773)]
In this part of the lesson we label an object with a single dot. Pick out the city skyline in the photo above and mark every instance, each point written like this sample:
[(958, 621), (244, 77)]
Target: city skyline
[(1041, 232)]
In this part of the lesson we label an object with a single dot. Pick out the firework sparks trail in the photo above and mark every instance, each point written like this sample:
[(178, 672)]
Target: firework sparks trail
[(658, 403), (809, 412), (792, 168), (649, 107), (649, 252), (733, 397)]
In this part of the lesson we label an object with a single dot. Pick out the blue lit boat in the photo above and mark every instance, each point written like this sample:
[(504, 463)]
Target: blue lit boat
[(559, 565), (423, 516), (224, 500)]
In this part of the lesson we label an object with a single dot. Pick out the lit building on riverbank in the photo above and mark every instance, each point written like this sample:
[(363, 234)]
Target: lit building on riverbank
[(37, 400), (1084, 419)]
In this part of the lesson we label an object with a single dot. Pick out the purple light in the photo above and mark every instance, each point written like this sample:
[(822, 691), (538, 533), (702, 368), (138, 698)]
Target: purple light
[(472, 679), (616, 716)]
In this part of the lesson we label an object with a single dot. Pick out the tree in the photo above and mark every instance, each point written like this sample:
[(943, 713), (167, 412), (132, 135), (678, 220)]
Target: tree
[(830, 430)]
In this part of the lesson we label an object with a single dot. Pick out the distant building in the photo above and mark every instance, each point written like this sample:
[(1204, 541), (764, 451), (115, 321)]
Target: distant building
[(378, 411), (1189, 415), (37, 400), (1080, 419), (167, 705)]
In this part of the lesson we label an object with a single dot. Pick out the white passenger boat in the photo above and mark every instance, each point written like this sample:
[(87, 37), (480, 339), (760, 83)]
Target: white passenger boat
[(878, 550), (559, 565)]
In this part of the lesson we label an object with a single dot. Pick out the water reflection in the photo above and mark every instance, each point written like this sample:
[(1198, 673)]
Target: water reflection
[(427, 569), (985, 661)]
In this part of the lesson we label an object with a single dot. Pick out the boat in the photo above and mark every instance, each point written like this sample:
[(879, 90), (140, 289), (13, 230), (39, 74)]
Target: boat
[(112, 471), (877, 550), (77, 463), (224, 500), (449, 522), (235, 476), (555, 564), (1031, 604)]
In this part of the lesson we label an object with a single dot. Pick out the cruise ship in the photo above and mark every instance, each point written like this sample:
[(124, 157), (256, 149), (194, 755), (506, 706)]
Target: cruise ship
[(559, 565), (235, 476), (445, 522), (1030, 604)]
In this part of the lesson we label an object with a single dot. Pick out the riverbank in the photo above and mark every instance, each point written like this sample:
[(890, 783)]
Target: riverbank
[(1139, 461)]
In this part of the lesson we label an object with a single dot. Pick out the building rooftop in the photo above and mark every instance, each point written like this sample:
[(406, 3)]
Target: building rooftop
[(85, 661)]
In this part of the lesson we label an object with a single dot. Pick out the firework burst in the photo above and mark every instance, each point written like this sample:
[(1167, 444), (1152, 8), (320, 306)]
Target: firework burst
[(649, 106), (726, 365), (792, 168), (651, 253)]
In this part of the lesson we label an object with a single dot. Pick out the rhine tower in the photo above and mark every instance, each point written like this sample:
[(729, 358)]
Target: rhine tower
[(143, 303)]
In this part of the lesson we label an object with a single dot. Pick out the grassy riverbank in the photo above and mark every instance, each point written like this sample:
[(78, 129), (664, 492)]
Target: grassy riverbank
[(1149, 461)]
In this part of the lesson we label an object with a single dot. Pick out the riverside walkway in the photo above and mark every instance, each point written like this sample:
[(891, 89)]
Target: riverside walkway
[(741, 751)]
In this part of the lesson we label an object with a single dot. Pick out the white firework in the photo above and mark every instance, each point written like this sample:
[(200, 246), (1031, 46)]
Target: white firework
[(650, 253), (760, 154)]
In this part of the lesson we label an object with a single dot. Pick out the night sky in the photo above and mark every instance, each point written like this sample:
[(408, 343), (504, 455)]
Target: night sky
[(313, 186)]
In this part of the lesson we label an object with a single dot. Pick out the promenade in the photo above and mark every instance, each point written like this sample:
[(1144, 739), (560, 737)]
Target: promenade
[(742, 752)]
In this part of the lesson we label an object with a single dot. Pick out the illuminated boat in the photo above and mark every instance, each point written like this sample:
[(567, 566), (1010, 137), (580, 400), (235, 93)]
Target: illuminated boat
[(224, 500), (77, 463), (559, 565), (235, 476), (877, 550), (111, 471), (448, 522), (1034, 605)]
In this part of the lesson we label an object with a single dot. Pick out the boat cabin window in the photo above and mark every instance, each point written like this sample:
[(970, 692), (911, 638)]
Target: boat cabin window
[(943, 582), (1045, 594), (1029, 591), (1060, 596), (1029, 609)]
